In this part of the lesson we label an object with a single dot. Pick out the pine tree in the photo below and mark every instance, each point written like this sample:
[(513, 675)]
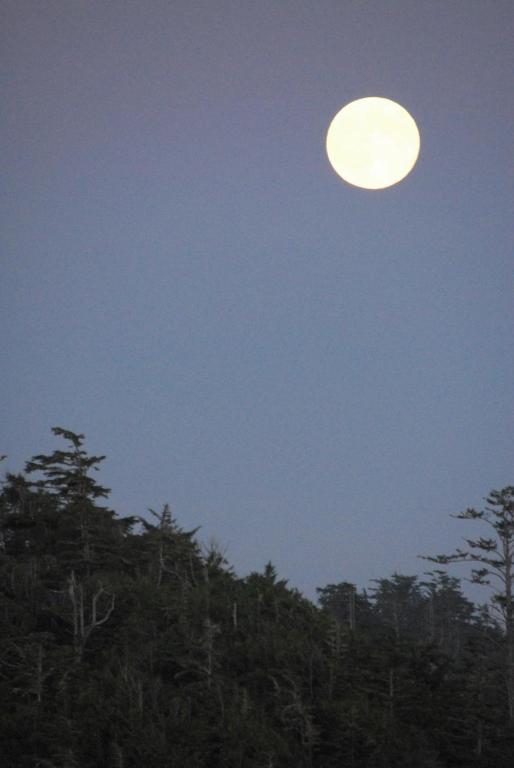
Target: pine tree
[(494, 556)]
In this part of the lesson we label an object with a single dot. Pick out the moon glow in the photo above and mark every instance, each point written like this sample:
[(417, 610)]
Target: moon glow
[(373, 143)]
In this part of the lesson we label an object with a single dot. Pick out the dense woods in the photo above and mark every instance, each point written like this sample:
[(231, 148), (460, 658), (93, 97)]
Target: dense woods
[(124, 644)]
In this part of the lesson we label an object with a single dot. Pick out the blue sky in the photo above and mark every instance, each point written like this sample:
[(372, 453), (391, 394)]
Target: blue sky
[(314, 373)]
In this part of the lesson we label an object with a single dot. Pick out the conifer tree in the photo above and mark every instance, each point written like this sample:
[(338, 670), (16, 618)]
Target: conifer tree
[(494, 556)]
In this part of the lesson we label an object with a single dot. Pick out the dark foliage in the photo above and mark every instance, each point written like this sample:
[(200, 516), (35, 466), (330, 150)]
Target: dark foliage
[(123, 645)]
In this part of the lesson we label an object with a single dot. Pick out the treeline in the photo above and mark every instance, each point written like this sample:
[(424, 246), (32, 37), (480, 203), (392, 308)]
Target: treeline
[(124, 645)]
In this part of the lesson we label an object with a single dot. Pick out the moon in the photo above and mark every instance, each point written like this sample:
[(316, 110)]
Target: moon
[(373, 143)]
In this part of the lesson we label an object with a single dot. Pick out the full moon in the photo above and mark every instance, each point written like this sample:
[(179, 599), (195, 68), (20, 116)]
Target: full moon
[(373, 143)]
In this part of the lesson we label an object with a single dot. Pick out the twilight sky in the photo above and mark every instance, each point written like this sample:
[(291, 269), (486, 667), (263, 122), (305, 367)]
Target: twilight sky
[(314, 373)]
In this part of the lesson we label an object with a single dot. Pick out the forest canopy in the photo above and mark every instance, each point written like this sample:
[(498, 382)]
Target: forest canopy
[(123, 643)]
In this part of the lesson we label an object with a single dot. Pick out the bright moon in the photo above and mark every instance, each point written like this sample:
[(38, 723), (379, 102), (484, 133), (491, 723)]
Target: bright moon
[(373, 143)]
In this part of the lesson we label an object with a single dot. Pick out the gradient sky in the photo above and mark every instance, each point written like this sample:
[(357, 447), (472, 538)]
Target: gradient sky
[(314, 373)]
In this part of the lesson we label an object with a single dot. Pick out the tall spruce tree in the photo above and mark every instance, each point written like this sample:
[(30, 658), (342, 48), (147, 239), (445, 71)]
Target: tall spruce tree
[(90, 537), (494, 557)]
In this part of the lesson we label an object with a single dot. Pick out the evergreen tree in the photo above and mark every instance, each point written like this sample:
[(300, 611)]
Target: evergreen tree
[(494, 556)]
